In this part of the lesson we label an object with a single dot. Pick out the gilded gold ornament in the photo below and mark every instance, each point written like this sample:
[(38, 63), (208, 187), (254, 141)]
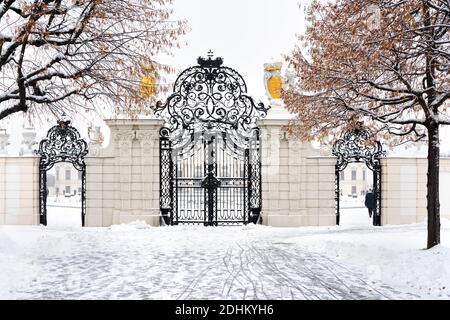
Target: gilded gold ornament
[(274, 84)]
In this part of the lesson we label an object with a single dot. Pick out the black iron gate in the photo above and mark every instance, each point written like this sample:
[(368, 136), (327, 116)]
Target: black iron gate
[(210, 162), (357, 146), (62, 144)]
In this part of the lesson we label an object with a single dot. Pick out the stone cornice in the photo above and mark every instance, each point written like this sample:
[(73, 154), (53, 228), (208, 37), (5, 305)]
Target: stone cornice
[(273, 122), (133, 122)]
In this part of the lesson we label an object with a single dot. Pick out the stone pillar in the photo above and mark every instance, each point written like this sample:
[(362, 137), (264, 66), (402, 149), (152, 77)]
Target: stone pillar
[(148, 137), (297, 183), (123, 140), (282, 179), (135, 148), (270, 169)]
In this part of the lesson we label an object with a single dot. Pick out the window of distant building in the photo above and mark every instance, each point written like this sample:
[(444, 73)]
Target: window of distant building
[(342, 175), (353, 173), (353, 189), (57, 173), (364, 174), (67, 174), (67, 191), (80, 173)]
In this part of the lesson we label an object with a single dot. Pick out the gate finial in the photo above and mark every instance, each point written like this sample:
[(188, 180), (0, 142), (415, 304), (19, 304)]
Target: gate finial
[(210, 63)]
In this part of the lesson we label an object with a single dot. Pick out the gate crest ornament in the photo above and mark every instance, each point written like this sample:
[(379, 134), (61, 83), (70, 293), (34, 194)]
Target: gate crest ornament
[(356, 146), (210, 161), (212, 95), (63, 144)]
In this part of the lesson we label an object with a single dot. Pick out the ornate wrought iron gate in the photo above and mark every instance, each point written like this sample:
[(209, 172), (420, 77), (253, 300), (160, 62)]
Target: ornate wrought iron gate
[(210, 162), (62, 144), (356, 146)]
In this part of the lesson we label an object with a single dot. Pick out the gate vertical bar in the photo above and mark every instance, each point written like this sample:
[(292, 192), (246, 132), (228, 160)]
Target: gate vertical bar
[(208, 181), (43, 196), (254, 177), (247, 187), (165, 178), (83, 196), (377, 195), (257, 175), (337, 193)]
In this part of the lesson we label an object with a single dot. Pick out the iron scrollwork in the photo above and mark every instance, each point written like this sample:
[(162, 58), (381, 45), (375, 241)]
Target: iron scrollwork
[(210, 95), (62, 144), (357, 146), (210, 127)]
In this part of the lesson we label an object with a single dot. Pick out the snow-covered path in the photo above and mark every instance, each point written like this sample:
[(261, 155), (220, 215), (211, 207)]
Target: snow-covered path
[(277, 271), (254, 262)]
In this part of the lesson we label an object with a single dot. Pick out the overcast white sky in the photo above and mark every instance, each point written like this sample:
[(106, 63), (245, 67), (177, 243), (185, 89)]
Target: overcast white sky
[(246, 33)]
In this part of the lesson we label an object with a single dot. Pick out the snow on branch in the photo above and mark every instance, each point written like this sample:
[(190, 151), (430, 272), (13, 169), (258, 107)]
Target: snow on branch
[(61, 53)]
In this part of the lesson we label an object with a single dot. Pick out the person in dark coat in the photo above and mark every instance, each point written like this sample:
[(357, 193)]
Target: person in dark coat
[(370, 202)]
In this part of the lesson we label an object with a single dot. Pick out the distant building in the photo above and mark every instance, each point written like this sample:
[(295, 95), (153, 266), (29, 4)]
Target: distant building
[(63, 180), (355, 180)]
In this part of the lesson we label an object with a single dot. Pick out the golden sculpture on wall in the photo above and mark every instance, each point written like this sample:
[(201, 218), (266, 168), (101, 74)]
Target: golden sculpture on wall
[(147, 85), (273, 80)]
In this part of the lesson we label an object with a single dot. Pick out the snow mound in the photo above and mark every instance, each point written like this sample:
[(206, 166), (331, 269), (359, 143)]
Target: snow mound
[(137, 224)]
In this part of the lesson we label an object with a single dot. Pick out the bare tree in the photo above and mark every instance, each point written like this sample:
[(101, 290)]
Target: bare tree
[(382, 62), (71, 55)]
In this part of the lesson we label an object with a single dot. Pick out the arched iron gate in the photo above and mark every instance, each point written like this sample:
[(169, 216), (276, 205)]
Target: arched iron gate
[(356, 146), (62, 144), (210, 161)]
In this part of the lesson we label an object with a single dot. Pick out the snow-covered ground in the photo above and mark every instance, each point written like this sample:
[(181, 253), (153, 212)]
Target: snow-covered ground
[(350, 202), (63, 216), (136, 261), (64, 211), (354, 217), (61, 201)]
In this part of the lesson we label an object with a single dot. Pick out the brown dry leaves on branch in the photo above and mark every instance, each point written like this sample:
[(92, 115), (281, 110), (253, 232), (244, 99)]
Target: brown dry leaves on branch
[(381, 62)]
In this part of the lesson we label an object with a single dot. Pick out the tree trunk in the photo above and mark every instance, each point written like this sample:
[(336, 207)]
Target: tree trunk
[(433, 206)]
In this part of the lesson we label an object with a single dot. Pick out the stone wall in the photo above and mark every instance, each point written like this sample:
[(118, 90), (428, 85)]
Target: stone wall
[(19, 190), (320, 203), (100, 186), (404, 183)]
